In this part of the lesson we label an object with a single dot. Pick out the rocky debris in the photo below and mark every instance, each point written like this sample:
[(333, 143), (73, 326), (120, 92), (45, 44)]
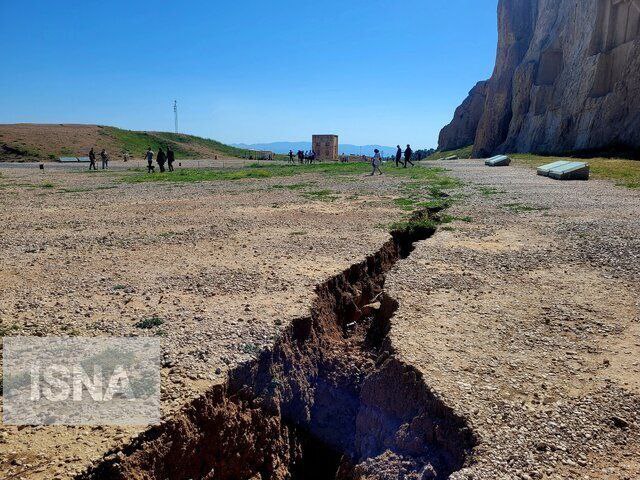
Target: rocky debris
[(567, 78)]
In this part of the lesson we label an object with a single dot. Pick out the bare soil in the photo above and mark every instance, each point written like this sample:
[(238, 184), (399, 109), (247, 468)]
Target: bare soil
[(504, 346), (527, 319)]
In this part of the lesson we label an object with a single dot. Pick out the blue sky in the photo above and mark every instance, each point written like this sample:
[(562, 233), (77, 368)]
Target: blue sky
[(371, 71)]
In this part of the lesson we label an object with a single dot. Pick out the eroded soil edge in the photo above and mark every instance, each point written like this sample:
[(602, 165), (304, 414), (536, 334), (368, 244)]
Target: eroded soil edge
[(330, 400)]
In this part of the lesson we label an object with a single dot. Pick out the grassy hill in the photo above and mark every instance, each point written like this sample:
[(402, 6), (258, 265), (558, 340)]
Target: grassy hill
[(461, 153), (28, 142)]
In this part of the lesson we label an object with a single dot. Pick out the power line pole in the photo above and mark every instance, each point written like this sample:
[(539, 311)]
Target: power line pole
[(175, 114)]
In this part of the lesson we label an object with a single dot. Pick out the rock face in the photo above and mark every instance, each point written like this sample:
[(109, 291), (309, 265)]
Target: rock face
[(461, 132), (566, 79)]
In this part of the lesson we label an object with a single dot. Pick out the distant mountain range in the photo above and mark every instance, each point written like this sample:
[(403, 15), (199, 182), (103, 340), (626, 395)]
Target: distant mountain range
[(346, 148)]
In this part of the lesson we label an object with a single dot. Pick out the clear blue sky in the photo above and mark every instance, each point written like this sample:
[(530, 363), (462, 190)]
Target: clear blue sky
[(371, 71)]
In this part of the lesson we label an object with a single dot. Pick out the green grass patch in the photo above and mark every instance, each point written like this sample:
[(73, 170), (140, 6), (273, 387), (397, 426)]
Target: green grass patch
[(321, 195), (293, 186), (404, 203), (196, 175), (149, 323), (414, 226), (300, 232), (452, 218)]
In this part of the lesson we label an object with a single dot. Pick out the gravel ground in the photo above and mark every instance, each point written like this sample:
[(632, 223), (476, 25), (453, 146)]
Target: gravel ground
[(224, 266), (526, 320), (524, 317)]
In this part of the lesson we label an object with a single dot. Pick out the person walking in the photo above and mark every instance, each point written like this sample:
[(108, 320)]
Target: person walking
[(105, 159), (161, 159), (376, 161), (92, 160), (171, 157), (398, 156), (300, 157), (290, 156), (149, 157), (408, 153)]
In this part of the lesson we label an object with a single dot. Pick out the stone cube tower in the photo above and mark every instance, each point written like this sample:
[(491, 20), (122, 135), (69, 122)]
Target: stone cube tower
[(325, 146)]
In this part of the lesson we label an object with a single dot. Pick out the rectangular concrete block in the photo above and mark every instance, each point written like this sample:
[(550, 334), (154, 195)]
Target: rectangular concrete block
[(544, 169), (498, 161), (571, 171)]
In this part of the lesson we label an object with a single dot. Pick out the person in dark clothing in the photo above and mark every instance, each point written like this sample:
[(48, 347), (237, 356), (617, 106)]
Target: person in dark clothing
[(407, 156), (149, 157), (105, 159), (290, 156), (300, 157), (161, 159), (92, 160), (170, 158), (398, 156)]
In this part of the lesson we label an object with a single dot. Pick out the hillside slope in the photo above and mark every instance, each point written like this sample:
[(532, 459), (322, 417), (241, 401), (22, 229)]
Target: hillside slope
[(28, 142), (566, 79)]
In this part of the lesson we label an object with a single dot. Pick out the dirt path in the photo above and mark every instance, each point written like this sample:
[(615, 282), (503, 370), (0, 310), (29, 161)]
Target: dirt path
[(526, 319)]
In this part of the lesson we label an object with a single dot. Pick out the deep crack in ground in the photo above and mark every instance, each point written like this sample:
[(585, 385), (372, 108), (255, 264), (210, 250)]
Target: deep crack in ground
[(329, 400)]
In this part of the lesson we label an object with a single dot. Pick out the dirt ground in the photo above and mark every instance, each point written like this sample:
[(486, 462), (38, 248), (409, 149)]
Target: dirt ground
[(523, 318), (224, 265), (527, 320)]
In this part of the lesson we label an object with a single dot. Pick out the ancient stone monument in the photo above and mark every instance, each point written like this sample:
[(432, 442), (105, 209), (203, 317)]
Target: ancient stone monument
[(325, 146), (567, 78)]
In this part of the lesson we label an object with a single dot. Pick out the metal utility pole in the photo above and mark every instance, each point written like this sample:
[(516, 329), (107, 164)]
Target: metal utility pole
[(175, 114)]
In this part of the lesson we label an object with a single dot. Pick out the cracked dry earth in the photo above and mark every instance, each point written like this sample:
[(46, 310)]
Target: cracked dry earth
[(504, 347), (527, 322)]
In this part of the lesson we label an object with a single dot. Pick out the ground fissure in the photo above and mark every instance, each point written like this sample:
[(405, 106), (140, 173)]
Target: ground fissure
[(329, 400)]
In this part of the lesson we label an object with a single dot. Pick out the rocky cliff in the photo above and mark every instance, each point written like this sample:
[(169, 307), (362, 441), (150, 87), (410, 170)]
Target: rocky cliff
[(567, 78)]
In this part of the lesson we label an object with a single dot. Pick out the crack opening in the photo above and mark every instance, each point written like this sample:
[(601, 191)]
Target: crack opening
[(329, 400)]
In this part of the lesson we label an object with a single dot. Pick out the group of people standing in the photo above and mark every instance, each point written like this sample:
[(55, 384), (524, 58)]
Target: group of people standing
[(303, 157), (161, 159), (104, 157)]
